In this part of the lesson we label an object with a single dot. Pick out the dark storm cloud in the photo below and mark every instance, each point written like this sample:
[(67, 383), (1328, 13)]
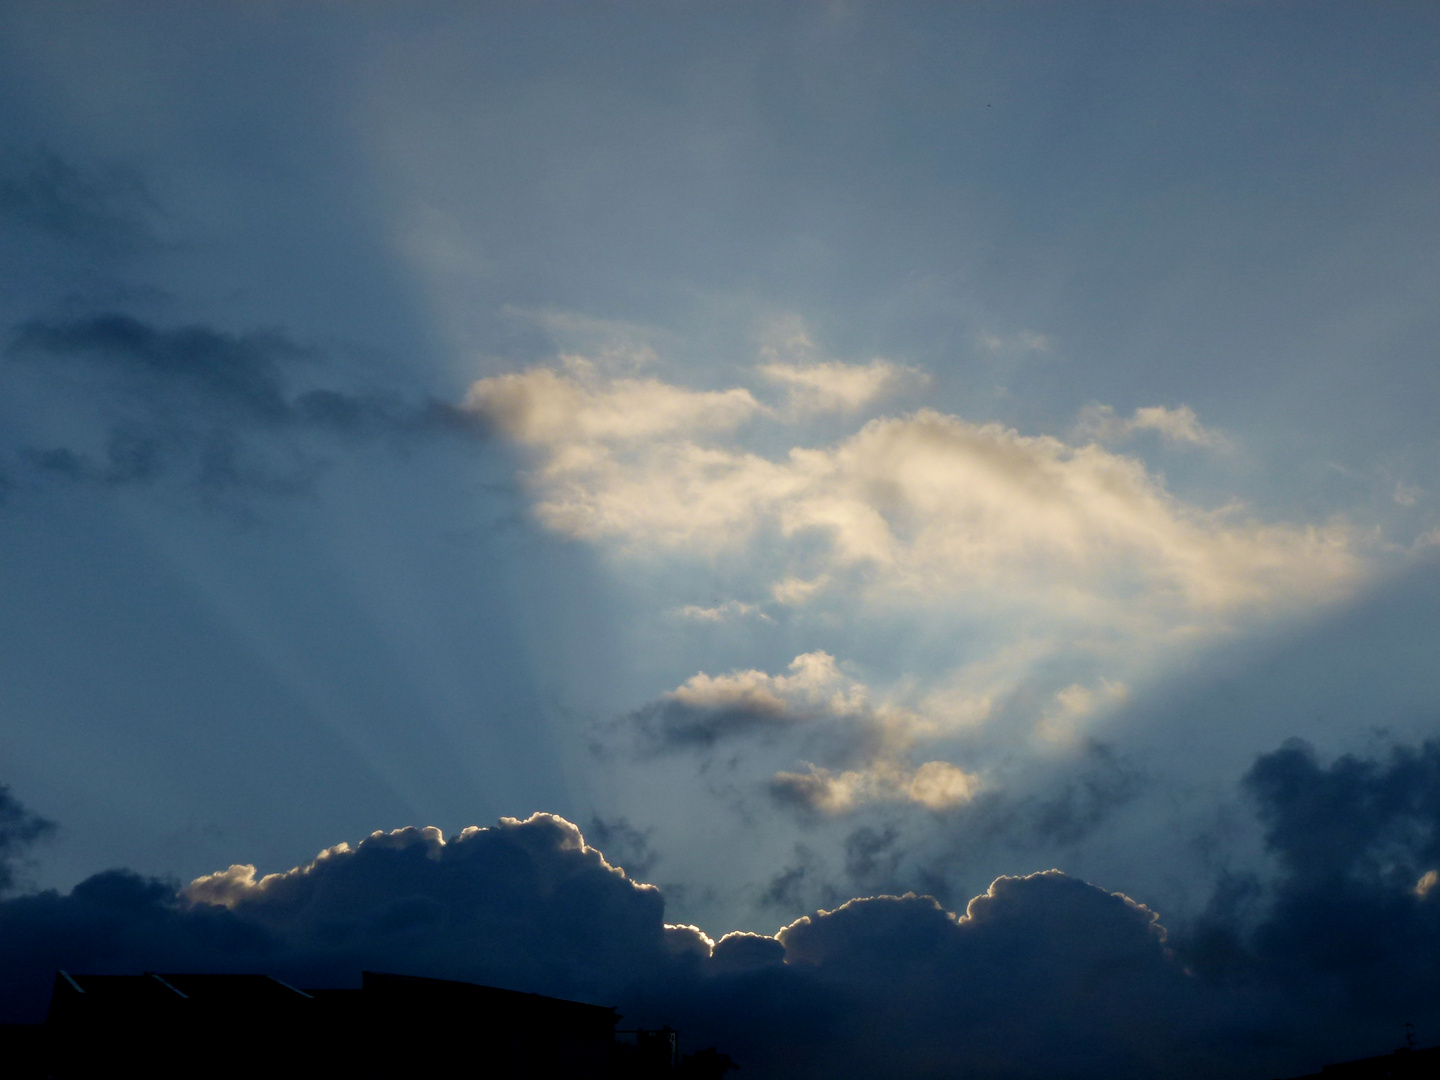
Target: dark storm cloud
[(19, 829), (219, 407), (1349, 932), (676, 725), (99, 207), (898, 848), (1040, 975), (1039, 971)]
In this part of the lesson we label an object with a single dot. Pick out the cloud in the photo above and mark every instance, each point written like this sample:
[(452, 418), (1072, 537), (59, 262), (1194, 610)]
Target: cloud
[(935, 785), (105, 207), (1072, 561), (831, 386), (1406, 494), (582, 409), (1019, 343), (1347, 932), (920, 503), (731, 609), (626, 846), (1076, 703), (707, 708), (223, 408), (793, 591), (20, 829), (838, 716), (1099, 422), (528, 904), (1042, 974)]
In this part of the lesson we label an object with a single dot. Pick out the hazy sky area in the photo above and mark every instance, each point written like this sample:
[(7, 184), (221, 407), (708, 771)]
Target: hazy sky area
[(821, 451)]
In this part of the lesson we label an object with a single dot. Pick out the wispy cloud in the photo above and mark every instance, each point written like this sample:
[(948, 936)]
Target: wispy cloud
[(1180, 426), (731, 609)]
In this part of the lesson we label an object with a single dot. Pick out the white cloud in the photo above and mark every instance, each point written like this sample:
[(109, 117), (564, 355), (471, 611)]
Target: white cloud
[(577, 410), (830, 386), (935, 785), (1060, 550), (1076, 703), (1406, 494), (1099, 422), (924, 502), (793, 591), (1018, 343), (815, 692), (731, 609), (815, 682)]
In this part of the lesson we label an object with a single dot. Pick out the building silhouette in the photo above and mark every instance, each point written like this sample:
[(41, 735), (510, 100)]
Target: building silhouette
[(393, 1026), (1402, 1064)]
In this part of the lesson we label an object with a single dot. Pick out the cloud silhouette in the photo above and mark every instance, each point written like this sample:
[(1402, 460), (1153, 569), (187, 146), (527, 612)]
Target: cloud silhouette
[(19, 829), (1347, 935), (1041, 975)]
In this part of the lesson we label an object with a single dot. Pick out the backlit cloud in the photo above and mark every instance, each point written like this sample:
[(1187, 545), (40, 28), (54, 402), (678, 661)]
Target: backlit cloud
[(874, 738), (920, 503)]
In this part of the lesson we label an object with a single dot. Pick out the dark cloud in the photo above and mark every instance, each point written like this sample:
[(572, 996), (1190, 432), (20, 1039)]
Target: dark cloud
[(1347, 934), (677, 725), (624, 845), (1042, 975), (19, 829), (232, 374), (785, 890), (222, 409), (100, 207)]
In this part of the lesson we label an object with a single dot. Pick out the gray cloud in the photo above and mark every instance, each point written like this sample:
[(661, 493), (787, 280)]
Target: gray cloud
[(101, 207), (220, 409), (625, 845), (1350, 926), (1041, 975), (20, 828)]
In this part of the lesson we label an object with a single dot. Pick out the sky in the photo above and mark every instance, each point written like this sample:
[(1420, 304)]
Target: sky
[(813, 452)]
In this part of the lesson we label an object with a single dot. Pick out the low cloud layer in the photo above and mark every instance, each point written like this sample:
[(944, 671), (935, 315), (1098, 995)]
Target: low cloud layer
[(1042, 974)]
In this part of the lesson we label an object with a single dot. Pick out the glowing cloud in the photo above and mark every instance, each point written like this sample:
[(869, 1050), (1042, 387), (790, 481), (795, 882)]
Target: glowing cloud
[(1060, 549)]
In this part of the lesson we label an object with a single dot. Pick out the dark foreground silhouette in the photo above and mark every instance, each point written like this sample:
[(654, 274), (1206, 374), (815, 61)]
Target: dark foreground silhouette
[(394, 1025), (1403, 1064)]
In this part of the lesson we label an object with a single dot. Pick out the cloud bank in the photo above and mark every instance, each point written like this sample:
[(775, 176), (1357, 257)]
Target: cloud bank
[(1042, 974)]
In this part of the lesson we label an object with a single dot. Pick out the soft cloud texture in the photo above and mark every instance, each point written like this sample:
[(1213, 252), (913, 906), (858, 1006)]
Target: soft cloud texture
[(830, 386), (837, 716), (1074, 561), (935, 785), (1181, 425), (917, 503)]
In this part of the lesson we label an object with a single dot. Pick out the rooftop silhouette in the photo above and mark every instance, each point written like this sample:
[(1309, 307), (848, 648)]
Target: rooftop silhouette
[(394, 1025)]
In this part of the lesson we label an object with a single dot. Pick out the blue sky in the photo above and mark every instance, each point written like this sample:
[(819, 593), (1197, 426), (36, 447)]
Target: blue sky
[(820, 450)]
